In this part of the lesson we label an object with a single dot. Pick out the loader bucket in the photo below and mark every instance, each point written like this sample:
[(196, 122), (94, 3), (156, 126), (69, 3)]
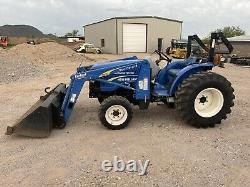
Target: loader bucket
[(45, 114)]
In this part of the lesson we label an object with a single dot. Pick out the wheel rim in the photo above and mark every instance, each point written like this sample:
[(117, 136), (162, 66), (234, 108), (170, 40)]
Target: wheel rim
[(116, 115), (209, 102)]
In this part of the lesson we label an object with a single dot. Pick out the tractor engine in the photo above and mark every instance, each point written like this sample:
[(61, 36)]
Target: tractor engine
[(125, 75)]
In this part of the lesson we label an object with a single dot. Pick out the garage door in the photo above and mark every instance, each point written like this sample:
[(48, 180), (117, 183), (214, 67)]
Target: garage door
[(134, 38)]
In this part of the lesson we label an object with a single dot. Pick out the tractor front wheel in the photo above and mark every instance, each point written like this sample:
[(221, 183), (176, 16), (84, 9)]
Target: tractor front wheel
[(115, 112), (204, 99)]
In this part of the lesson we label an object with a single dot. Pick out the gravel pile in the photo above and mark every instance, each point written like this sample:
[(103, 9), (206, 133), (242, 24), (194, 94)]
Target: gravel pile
[(45, 53), (26, 61)]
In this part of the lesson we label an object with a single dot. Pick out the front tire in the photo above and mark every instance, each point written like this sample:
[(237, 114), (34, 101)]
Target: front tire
[(115, 112), (204, 99)]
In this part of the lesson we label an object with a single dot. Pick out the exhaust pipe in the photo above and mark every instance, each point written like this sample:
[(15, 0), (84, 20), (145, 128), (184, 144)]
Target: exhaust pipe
[(44, 115)]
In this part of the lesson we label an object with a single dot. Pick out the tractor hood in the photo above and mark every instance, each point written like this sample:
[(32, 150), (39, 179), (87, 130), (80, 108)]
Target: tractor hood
[(120, 62)]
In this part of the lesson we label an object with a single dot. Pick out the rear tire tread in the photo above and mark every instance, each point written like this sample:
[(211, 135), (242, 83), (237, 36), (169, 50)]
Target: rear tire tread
[(196, 81)]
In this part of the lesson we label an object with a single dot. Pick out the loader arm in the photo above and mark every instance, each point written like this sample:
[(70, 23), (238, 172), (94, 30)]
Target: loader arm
[(54, 109), (82, 75), (76, 84)]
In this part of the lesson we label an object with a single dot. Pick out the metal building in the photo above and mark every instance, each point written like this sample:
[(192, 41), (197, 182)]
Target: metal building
[(133, 34), (241, 45)]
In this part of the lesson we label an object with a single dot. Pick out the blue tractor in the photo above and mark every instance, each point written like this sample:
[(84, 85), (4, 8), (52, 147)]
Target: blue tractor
[(201, 97)]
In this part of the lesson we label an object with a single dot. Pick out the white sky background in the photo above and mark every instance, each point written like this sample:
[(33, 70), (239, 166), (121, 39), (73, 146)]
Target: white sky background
[(62, 16)]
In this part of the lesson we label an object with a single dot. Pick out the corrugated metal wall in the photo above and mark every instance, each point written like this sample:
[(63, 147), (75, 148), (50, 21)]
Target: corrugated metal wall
[(112, 31), (242, 49), (104, 30), (156, 28)]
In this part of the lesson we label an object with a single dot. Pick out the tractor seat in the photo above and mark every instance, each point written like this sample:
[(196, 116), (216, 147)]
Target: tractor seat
[(174, 72), (154, 68)]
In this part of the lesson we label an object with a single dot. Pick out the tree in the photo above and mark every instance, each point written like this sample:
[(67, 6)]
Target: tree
[(229, 31), (73, 33)]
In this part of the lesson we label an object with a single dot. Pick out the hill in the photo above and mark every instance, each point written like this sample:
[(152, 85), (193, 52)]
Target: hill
[(20, 31)]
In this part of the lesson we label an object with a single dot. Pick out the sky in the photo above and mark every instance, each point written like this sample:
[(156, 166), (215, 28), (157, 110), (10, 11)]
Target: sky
[(62, 16)]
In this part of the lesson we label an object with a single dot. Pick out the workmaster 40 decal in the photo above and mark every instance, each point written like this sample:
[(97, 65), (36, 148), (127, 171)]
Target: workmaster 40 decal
[(125, 70), (130, 78)]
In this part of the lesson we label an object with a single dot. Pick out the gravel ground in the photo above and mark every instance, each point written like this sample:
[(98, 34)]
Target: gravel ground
[(179, 155), (13, 71)]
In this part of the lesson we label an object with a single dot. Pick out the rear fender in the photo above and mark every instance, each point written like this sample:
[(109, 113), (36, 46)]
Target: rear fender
[(162, 77), (186, 72)]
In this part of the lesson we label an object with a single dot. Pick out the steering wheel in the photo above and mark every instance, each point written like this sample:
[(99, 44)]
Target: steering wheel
[(162, 56)]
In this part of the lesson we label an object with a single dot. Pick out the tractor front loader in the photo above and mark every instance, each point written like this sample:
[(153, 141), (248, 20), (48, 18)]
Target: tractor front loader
[(201, 97)]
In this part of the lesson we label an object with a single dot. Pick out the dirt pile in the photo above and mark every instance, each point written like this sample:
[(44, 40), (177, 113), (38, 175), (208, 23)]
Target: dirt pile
[(27, 61), (50, 52)]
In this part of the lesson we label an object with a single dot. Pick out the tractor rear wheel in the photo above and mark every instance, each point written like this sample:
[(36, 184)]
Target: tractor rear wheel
[(115, 112), (204, 99)]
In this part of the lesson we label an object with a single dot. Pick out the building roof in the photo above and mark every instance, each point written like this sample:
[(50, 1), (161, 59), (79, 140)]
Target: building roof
[(135, 17), (72, 37), (242, 38)]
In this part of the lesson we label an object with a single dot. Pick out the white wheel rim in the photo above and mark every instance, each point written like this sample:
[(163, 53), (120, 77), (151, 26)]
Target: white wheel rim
[(116, 115), (209, 102)]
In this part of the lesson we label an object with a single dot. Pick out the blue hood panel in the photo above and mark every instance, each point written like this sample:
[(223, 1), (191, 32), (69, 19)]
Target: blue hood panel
[(120, 62)]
